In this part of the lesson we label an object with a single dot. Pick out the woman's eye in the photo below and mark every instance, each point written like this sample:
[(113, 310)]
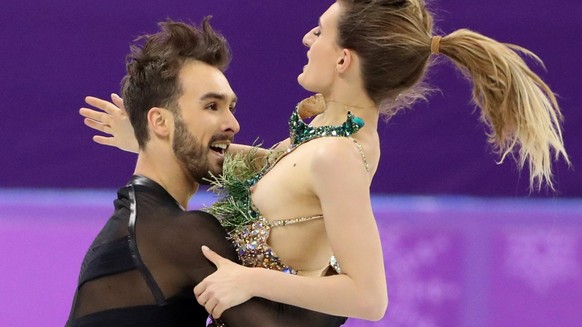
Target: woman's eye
[(317, 32)]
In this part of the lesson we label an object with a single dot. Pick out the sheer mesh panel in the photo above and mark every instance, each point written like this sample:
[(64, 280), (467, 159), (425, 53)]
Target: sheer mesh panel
[(150, 282), (122, 290)]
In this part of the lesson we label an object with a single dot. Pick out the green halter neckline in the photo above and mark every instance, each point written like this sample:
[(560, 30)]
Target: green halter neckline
[(234, 208), (300, 132)]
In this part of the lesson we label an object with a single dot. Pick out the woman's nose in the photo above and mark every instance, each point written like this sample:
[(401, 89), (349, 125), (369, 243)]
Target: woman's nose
[(308, 38)]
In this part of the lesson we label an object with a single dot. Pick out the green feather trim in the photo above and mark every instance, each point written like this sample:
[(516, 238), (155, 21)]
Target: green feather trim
[(233, 208)]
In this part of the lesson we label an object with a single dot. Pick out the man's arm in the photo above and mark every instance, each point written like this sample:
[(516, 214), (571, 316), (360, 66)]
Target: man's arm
[(261, 312), (200, 228)]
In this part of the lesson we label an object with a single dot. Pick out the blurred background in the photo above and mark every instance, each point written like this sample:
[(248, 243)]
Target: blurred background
[(465, 241)]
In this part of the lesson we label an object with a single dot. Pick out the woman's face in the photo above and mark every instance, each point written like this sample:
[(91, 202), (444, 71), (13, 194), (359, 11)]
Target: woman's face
[(324, 53)]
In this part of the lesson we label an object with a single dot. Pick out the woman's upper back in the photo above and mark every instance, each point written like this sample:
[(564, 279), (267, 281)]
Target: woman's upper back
[(287, 191)]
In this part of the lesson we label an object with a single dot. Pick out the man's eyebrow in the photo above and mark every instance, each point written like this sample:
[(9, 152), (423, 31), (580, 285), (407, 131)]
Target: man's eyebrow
[(212, 95), (217, 96)]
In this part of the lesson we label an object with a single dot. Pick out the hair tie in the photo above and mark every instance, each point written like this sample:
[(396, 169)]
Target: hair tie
[(435, 44)]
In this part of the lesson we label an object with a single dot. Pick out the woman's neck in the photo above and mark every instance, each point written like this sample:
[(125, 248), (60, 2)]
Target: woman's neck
[(337, 108)]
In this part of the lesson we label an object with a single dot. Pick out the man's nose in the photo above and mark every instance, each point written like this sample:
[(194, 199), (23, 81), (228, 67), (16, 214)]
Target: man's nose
[(231, 123)]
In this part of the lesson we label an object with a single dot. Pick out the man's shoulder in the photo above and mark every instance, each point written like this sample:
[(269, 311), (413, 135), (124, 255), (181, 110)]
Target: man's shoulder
[(198, 214), (193, 219), (188, 231)]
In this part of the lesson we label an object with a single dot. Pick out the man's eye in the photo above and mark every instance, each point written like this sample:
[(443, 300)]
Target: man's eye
[(212, 106), (317, 32)]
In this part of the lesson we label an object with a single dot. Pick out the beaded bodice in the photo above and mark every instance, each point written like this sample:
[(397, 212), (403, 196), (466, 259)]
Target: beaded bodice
[(252, 246), (247, 228)]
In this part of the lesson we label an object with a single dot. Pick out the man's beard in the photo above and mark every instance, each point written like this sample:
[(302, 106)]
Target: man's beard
[(192, 154)]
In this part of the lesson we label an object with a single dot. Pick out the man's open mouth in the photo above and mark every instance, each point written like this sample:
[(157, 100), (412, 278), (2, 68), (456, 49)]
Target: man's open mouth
[(219, 147)]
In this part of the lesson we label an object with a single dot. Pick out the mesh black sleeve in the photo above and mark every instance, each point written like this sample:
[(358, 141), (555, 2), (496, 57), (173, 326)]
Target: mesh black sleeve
[(255, 312)]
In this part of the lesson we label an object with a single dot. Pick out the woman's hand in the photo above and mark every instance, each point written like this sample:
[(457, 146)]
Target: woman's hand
[(112, 120), (312, 106), (225, 288)]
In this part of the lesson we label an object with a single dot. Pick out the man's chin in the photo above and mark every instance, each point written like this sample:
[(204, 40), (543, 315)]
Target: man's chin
[(216, 167)]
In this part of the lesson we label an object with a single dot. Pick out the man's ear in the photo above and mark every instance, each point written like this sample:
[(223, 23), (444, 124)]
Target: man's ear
[(344, 61), (160, 121)]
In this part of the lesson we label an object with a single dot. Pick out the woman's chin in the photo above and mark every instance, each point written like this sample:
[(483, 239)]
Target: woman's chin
[(305, 85), (300, 79)]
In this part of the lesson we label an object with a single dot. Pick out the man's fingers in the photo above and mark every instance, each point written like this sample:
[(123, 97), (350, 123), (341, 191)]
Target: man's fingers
[(199, 291), (210, 306), (212, 256), (201, 297), (208, 302), (217, 312)]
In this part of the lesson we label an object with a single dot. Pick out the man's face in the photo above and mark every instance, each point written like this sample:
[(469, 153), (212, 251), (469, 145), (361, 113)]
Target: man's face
[(205, 124)]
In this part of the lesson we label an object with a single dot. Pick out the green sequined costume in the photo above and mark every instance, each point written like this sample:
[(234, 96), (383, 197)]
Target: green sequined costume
[(249, 230)]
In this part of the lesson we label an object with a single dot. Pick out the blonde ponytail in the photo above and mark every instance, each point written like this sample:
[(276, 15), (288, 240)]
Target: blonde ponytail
[(519, 108), (394, 41)]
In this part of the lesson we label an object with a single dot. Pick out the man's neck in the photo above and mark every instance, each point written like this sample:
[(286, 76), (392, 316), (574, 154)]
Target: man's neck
[(168, 173)]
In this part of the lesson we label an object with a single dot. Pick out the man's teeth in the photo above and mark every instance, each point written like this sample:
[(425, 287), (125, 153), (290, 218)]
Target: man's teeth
[(219, 146)]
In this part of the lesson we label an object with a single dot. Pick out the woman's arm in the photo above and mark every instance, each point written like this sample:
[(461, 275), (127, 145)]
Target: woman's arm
[(360, 290), (184, 258), (111, 119)]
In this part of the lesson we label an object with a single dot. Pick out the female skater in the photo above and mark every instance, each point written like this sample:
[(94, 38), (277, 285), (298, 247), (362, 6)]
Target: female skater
[(366, 58)]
